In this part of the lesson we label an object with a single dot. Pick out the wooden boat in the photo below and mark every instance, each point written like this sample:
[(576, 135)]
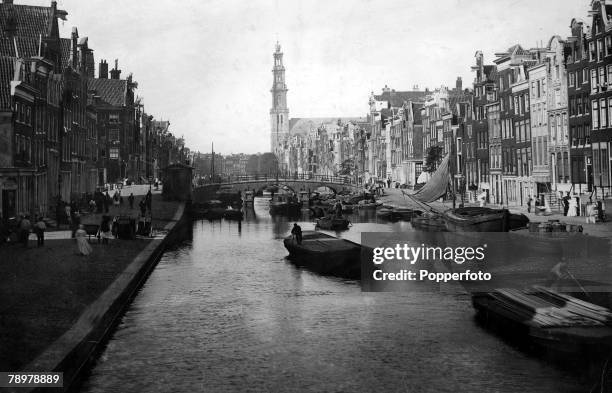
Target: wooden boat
[(397, 213), (347, 208), (368, 204), (477, 219), (554, 320), (285, 204), (333, 223), (429, 222), (317, 211), (325, 254), (233, 214)]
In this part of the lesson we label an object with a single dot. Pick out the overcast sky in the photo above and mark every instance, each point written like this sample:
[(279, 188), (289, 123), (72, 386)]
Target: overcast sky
[(205, 65)]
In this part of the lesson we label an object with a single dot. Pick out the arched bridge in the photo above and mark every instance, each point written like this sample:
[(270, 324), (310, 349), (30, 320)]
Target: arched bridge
[(259, 182)]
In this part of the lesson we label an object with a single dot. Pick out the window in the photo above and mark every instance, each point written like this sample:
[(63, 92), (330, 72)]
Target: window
[(608, 45), (602, 76), (591, 51), (572, 79), (553, 128), (610, 111), (572, 108), (527, 130), (595, 115), (585, 75), (600, 50), (593, 81), (113, 118), (603, 118), (113, 134), (114, 153)]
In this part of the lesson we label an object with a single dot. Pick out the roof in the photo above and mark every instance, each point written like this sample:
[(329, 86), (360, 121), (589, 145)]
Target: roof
[(303, 125), (456, 97), (26, 46), (31, 21), (491, 72), (110, 91), (397, 98), (416, 112), (7, 70), (65, 50)]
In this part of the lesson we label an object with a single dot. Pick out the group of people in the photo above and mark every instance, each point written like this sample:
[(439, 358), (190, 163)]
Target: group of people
[(594, 211), (69, 213)]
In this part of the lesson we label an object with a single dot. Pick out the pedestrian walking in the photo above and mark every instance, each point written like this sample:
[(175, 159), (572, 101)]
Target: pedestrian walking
[(68, 212), (566, 204), (149, 200), (116, 199), (83, 245), (131, 200), (104, 232), (529, 201), (39, 229), (143, 206), (389, 182), (107, 202), (25, 227), (76, 221)]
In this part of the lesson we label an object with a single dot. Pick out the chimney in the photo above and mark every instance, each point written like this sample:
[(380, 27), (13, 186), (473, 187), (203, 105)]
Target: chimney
[(73, 48), (115, 72), (7, 1), (459, 84), (103, 70)]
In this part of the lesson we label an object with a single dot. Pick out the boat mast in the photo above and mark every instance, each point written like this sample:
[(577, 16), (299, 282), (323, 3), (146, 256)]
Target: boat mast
[(212, 165)]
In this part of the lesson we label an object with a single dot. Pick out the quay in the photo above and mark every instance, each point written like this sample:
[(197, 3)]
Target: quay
[(59, 307), (396, 198)]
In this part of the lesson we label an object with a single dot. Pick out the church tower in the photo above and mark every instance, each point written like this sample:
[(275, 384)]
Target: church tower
[(279, 114)]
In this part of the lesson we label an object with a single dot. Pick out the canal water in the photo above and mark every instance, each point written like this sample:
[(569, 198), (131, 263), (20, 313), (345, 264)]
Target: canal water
[(225, 311)]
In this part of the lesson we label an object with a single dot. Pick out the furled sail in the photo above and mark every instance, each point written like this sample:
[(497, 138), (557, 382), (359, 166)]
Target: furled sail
[(437, 185)]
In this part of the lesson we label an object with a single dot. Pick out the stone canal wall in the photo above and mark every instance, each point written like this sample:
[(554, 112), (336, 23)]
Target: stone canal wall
[(78, 347)]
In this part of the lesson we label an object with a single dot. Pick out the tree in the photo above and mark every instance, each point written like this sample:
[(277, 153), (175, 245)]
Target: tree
[(434, 156), (346, 167), (252, 166), (268, 163)]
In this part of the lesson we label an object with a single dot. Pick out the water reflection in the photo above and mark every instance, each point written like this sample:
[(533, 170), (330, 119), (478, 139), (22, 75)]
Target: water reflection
[(227, 312)]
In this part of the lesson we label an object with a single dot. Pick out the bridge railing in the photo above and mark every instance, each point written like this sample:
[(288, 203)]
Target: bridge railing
[(348, 180)]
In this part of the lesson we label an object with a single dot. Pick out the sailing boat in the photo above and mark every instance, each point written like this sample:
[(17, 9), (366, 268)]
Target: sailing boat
[(462, 219)]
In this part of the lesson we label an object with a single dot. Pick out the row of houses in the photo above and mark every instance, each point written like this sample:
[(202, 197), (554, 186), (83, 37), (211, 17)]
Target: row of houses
[(63, 131), (534, 122)]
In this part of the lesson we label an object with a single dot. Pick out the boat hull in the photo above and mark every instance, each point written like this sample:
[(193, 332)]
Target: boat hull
[(429, 223), (476, 220), (333, 224), (325, 254), (518, 321)]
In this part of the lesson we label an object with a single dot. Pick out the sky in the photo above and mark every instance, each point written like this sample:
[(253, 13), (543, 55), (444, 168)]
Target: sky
[(205, 65)]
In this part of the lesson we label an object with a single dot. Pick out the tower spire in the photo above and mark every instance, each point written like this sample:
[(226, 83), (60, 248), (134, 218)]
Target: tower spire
[(279, 113)]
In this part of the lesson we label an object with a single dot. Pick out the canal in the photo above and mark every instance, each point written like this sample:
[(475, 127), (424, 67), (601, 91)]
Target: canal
[(225, 311)]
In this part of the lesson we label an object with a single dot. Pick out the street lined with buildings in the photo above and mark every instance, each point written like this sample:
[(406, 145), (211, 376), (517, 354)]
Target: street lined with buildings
[(64, 132), (534, 123)]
